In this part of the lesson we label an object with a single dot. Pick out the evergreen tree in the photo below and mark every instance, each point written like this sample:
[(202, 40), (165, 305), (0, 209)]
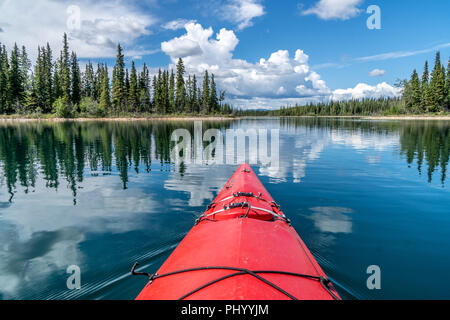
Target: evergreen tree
[(425, 86), (57, 81), (206, 94), (38, 84), (159, 94), (88, 81), (105, 98), (214, 103), (155, 93), (48, 78), (227, 110), (4, 70), (188, 105), (76, 80), (181, 90), (194, 98), (98, 82), (416, 92), (127, 89), (447, 88), (442, 82), (199, 102), (118, 82), (437, 85), (15, 88), (25, 66), (144, 90), (172, 101), (65, 72), (133, 99), (165, 92)]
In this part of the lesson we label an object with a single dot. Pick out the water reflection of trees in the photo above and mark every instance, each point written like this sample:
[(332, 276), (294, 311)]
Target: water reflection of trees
[(63, 151), (425, 142), (58, 152)]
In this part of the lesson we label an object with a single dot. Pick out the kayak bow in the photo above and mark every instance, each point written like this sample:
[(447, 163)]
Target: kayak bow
[(242, 248)]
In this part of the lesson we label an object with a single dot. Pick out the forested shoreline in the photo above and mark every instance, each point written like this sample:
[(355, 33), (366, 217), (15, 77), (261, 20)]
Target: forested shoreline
[(59, 87)]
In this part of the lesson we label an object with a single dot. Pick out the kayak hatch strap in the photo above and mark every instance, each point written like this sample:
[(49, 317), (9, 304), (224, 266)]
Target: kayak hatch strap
[(243, 205), (247, 195), (326, 283)]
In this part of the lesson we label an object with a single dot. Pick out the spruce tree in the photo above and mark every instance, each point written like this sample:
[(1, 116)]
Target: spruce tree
[(415, 92), (181, 90), (48, 78), (199, 102), (15, 87), (425, 88), (76, 80), (222, 99), (4, 70), (105, 98), (25, 66), (447, 88), (206, 106), (214, 103), (187, 104), (159, 94), (118, 82), (172, 101), (144, 89), (98, 82), (165, 92), (442, 82), (133, 98), (155, 93), (57, 81), (66, 85), (127, 90), (88, 81), (194, 99), (38, 83), (437, 85), (407, 95)]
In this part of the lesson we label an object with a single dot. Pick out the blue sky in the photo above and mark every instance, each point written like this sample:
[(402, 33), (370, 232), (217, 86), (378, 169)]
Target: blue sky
[(313, 50)]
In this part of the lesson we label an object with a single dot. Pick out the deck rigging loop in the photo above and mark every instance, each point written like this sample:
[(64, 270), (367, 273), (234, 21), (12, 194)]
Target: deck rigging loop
[(247, 195), (326, 283), (231, 206), (275, 212)]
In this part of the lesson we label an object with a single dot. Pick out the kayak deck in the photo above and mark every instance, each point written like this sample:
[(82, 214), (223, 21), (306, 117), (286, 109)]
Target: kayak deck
[(242, 248)]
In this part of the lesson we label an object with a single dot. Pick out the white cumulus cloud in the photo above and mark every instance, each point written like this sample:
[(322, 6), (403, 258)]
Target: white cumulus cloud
[(102, 24), (363, 90), (335, 9), (243, 12), (176, 24), (280, 76), (377, 73)]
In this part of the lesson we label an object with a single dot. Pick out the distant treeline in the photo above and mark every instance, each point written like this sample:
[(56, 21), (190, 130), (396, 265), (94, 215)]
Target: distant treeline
[(430, 94), (60, 87), (335, 108)]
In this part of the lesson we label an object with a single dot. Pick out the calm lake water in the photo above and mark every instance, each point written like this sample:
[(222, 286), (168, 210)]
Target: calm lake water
[(104, 195)]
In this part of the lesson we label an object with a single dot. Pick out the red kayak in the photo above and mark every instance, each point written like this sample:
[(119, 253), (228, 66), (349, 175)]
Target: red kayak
[(242, 248)]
